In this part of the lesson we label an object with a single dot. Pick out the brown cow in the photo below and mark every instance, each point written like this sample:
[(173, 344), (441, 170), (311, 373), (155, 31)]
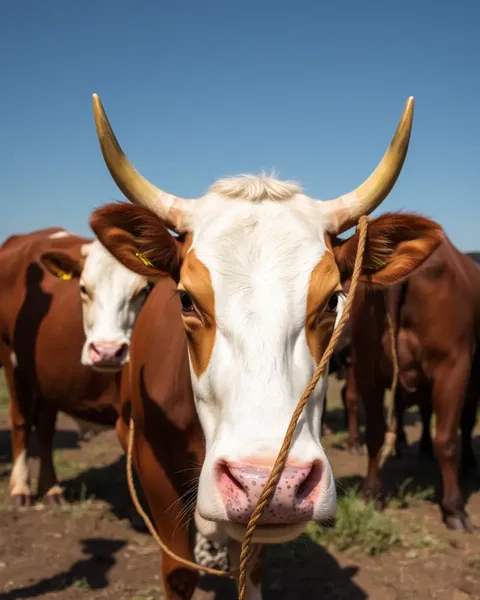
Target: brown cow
[(258, 269), (436, 316), (48, 328)]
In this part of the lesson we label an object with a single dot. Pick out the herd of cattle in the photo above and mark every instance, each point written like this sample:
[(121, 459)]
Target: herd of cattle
[(203, 320)]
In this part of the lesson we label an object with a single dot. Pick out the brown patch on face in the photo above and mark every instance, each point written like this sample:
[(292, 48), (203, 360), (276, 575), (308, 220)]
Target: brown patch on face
[(324, 280), (195, 280)]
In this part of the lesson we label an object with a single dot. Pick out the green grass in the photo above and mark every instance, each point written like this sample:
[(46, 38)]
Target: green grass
[(66, 468), (4, 396), (81, 584), (358, 527), (153, 593), (406, 496)]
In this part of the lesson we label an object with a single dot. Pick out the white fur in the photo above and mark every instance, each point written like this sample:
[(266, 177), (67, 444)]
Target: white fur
[(59, 234), (113, 303), (260, 240), (19, 479)]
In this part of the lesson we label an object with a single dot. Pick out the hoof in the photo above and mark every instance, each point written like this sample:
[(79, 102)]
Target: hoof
[(326, 430), (355, 449), (57, 499), (182, 583), (22, 500), (378, 500), (459, 523)]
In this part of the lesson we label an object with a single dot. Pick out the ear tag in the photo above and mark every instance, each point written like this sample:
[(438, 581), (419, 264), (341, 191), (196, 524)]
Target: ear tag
[(144, 259), (65, 276)]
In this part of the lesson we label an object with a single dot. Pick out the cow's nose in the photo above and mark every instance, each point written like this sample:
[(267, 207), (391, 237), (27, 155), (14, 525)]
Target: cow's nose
[(107, 353), (293, 500)]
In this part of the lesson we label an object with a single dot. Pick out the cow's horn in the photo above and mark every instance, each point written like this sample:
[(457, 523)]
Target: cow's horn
[(346, 210), (135, 187)]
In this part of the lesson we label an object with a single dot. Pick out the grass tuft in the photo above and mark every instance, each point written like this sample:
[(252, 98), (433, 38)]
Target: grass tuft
[(358, 527)]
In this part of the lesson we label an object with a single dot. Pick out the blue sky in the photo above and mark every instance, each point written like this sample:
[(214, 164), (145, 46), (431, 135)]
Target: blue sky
[(197, 90)]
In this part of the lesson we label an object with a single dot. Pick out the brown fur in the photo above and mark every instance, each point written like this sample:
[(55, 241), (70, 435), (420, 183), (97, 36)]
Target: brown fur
[(125, 229), (396, 245), (41, 323), (436, 315)]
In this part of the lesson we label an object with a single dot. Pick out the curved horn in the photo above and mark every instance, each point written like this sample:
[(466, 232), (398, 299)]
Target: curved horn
[(135, 187), (346, 210)]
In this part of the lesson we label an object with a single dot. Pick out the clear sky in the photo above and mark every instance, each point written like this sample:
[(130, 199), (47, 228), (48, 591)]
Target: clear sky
[(199, 89)]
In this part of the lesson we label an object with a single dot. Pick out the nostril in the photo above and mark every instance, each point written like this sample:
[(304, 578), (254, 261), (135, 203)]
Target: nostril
[(227, 479), (311, 481), (121, 351)]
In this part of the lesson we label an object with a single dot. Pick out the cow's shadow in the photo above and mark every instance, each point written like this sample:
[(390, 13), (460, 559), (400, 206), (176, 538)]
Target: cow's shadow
[(413, 476), (301, 570)]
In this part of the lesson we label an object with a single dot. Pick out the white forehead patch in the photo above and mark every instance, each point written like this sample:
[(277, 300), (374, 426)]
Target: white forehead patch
[(59, 234)]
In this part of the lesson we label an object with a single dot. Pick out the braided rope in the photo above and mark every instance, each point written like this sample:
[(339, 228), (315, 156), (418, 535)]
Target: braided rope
[(148, 522), (282, 455), (246, 554)]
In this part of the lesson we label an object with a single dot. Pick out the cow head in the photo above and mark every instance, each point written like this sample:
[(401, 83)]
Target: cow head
[(111, 298), (259, 271)]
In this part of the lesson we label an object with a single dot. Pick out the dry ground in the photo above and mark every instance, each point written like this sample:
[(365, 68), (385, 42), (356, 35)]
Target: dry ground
[(89, 549)]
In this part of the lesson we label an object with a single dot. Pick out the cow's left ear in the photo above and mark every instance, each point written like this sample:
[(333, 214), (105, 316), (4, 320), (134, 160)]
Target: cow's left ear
[(61, 265), (396, 245)]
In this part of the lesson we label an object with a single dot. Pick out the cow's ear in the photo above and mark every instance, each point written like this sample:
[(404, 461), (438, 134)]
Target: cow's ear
[(396, 245), (138, 239), (61, 265)]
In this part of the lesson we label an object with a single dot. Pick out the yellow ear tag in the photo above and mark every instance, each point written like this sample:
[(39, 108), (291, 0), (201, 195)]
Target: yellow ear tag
[(65, 276), (144, 259)]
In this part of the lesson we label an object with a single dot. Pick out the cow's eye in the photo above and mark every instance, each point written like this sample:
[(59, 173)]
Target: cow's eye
[(83, 290), (333, 302), (187, 304)]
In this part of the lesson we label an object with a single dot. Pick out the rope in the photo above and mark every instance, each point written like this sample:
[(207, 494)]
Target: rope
[(149, 524), (282, 456), (391, 433), (246, 554)]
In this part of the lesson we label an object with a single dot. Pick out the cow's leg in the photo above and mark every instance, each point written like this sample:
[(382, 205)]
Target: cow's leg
[(449, 389), (468, 421), (48, 487), (375, 437), (350, 400), (401, 438), (426, 444), (20, 409), (325, 429), (254, 569)]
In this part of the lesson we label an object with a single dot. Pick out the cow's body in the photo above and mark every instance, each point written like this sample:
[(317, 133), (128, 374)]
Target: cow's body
[(436, 317), (41, 342)]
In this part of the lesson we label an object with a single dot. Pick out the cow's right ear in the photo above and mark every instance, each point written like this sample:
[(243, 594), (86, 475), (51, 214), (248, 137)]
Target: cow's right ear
[(61, 265), (138, 239)]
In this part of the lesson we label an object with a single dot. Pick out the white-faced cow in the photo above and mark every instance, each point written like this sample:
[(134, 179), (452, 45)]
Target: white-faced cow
[(259, 271), (54, 338)]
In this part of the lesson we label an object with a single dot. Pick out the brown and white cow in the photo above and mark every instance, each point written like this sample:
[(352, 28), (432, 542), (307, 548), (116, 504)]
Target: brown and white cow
[(66, 315), (259, 271), (436, 315)]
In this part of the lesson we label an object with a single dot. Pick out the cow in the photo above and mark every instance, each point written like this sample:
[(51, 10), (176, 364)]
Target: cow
[(66, 316), (436, 322), (258, 267)]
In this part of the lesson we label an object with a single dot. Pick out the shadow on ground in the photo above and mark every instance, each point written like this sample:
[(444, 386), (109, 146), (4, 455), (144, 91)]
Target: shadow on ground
[(301, 570), (90, 573)]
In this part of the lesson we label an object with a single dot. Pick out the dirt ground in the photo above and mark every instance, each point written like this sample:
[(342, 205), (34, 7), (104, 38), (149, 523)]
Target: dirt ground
[(90, 550)]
